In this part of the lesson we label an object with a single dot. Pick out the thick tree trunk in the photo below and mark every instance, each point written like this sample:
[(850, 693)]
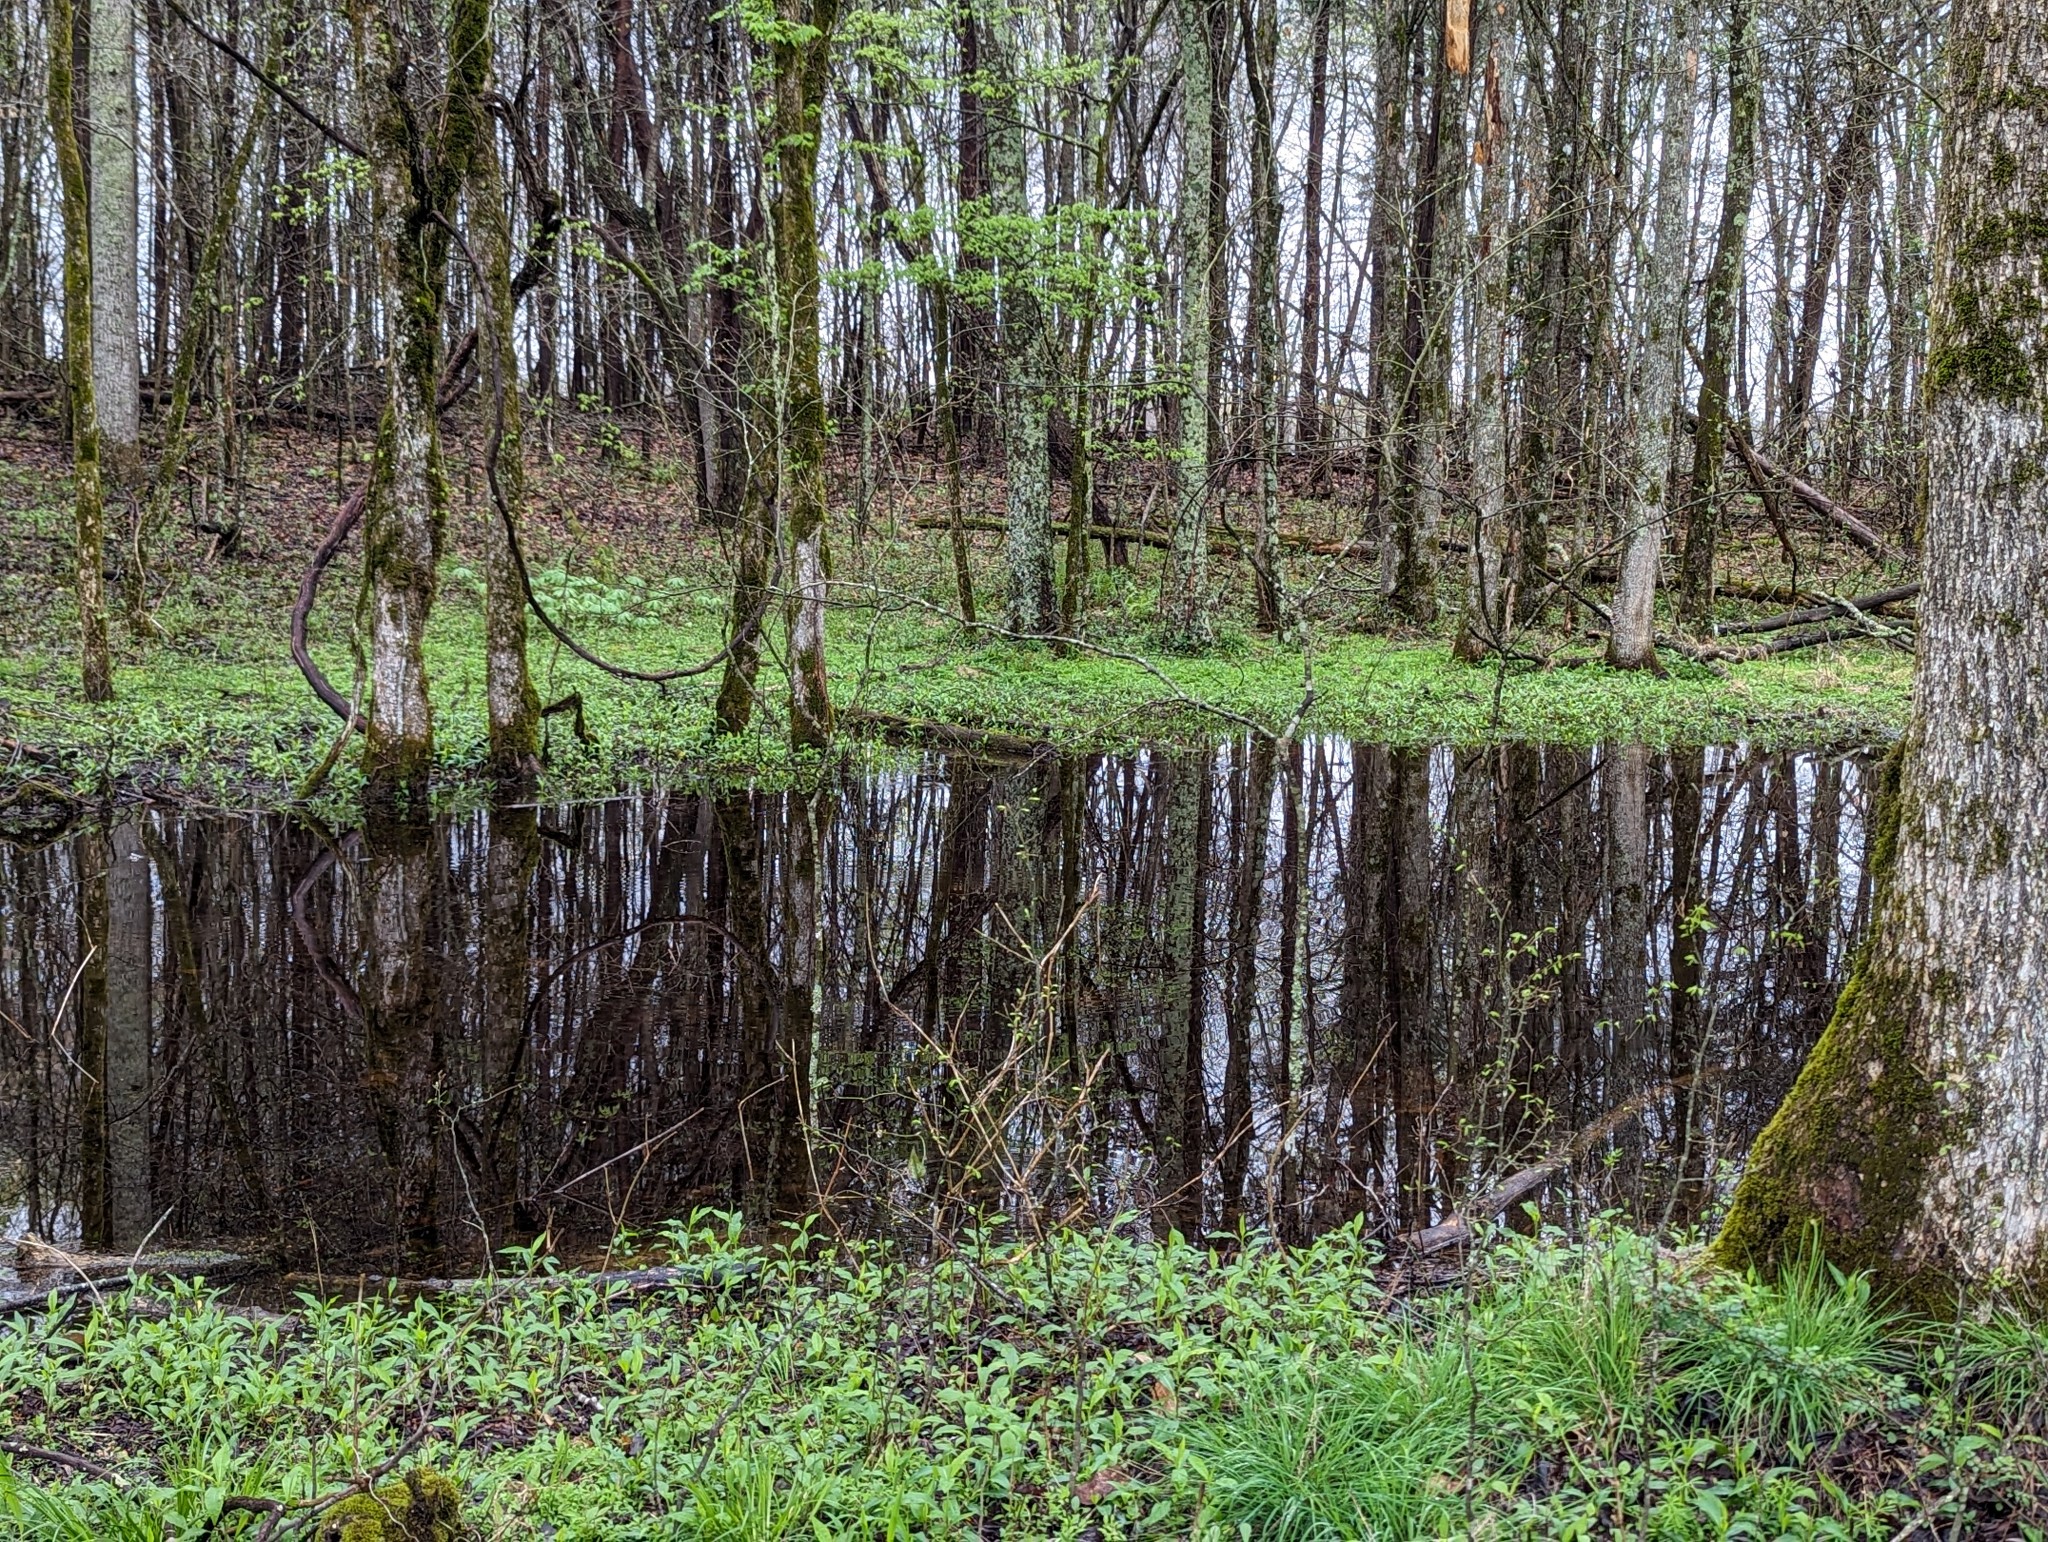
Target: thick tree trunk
[(1916, 1138), (1631, 642), (425, 144), (802, 54), (88, 500), (512, 703), (116, 356)]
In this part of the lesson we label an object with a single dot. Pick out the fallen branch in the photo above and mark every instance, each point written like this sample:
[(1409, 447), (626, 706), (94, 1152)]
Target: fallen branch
[(973, 741), (82, 1464), (629, 1282), (1826, 611), (1460, 1228)]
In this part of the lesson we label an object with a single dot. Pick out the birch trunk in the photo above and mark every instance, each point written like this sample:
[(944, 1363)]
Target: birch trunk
[(116, 357), (1631, 642), (1916, 1138)]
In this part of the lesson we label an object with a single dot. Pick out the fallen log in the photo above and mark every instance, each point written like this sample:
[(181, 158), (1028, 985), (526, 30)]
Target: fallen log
[(973, 741), (624, 1282), (1761, 471), (1461, 1227), (45, 1272), (1829, 610)]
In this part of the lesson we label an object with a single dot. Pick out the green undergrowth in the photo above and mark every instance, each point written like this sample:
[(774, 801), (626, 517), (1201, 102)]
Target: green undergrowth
[(1089, 1384), (209, 704), (218, 710)]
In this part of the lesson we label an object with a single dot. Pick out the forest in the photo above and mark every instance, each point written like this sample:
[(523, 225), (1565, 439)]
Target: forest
[(1217, 768)]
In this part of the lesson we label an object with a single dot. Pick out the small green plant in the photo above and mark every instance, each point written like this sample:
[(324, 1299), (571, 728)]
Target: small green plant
[(1795, 1359)]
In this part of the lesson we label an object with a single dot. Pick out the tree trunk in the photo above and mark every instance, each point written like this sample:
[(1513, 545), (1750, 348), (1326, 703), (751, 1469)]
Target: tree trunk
[(1309, 427), (88, 501), (802, 54), (116, 359), (1717, 327), (1026, 365), (1488, 611), (1261, 45), (1915, 1141), (512, 703), (1631, 641), (424, 144), (1184, 597)]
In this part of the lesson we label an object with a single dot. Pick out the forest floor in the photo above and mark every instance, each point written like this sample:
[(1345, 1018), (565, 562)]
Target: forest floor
[(1065, 1384), (209, 705)]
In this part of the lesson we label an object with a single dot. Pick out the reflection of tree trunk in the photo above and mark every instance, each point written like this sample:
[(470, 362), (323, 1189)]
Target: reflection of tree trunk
[(1625, 789), (1688, 948), (1407, 917), (1350, 1143), (200, 1039), (1181, 1117), (90, 1003), (1624, 795), (511, 853), (401, 1024), (130, 934), (1249, 879), (793, 1183), (1293, 886), (752, 1010)]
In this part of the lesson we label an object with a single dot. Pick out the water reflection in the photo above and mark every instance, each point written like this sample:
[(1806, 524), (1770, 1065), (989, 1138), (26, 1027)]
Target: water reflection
[(1289, 984)]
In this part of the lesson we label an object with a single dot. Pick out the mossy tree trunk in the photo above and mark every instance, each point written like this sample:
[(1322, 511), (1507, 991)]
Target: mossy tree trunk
[(426, 130), (1184, 596), (512, 703), (1916, 1138), (1717, 326), (88, 499), (1631, 642), (801, 48)]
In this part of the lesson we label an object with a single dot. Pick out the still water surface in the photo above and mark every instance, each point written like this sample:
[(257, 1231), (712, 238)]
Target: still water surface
[(1286, 986)]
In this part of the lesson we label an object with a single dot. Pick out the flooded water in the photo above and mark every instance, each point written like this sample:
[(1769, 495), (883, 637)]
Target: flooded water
[(1282, 985)]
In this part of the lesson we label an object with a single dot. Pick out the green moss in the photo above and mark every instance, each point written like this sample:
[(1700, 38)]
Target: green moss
[(423, 1506), (1844, 1160)]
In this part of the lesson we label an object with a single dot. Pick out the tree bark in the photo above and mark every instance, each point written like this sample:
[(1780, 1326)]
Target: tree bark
[(1261, 30), (1184, 597), (116, 356), (1309, 427), (1026, 364), (1717, 328), (1488, 609), (802, 53), (1631, 639), (88, 503), (1915, 1142)]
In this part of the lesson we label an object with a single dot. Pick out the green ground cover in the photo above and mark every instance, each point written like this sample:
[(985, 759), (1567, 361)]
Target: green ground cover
[(1091, 1384), (208, 703)]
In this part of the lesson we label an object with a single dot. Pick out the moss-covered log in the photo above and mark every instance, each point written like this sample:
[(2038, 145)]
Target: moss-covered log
[(1915, 1141)]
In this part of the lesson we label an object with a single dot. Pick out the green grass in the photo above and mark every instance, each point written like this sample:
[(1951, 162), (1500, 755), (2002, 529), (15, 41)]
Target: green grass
[(1087, 1384)]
